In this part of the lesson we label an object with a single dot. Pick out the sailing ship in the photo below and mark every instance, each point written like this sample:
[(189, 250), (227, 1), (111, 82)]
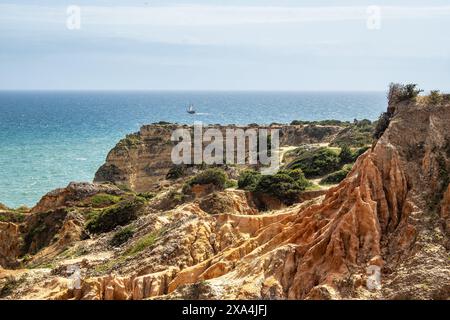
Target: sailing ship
[(191, 109)]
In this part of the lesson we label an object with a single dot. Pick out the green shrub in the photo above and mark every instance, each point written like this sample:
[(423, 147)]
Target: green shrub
[(364, 123), (117, 215), (337, 176), (162, 123), (145, 242), (359, 152), (248, 179), (399, 92), (382, 124), (285, 185), (435, 97), (346, 155), (298, 176), (214, 176), (130, 140), (231, 184), (10, 286), (281, 186), (175, 172), (122, 236), (316, 162), (103, 199), (16, 217), (358, 134), (124, 187), (146, 195), (176, 197)]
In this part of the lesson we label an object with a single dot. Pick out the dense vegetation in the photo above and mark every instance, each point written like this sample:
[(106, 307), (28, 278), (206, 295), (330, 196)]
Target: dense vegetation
[(175, 172), (122, 236), (356, 135), (382, 125), (284, 185), (402, 92), (321, 123), (144, 242), (214, 176), (12, 216), (108, 219), (248, 180), (103, 199), (435, 97), (338, 176), (130, 140), (316, 162)]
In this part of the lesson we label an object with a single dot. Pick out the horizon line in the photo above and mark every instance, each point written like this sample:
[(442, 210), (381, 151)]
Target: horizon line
[(189, 90)]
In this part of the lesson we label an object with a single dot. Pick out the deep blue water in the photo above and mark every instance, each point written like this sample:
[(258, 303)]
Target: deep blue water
[(48, 139)]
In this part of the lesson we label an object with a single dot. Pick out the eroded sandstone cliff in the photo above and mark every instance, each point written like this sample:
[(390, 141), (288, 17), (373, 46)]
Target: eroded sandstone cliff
[(143, 159), (390, 214)]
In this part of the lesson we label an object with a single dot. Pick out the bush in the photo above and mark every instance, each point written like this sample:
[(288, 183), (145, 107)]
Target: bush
[(231, 184), (122, 236), (281, 186), (359, 152), (103, 199), (124, 187), (346, 155), (399, 92), (117, 215), (175, 172), (285, 185), (356, 135), (145, 242), (16, 217), (363, 123), (298, 177), (382, 125), (435, 97), (317, 162), (130, 140), (214, 176), (248, 179), (337, 176), (146, 195)]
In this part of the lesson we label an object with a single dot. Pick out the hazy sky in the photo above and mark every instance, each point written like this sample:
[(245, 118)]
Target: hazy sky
[(225, 45)]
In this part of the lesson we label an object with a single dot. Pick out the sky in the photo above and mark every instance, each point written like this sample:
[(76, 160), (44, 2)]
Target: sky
[(290, 45)]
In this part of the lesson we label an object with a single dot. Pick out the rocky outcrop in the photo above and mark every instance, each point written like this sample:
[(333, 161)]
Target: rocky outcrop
[(10, 244), (233, 201), (142, 160), (72, 195)]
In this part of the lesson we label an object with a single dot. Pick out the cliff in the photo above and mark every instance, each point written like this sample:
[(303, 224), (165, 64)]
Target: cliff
[(391, 213), (142, 160)]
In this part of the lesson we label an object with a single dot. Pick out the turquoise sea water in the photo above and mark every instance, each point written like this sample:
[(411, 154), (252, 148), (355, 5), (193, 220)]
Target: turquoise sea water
[(48, 139)]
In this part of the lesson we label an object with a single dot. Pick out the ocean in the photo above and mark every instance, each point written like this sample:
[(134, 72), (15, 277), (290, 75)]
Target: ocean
[(48, 139)]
